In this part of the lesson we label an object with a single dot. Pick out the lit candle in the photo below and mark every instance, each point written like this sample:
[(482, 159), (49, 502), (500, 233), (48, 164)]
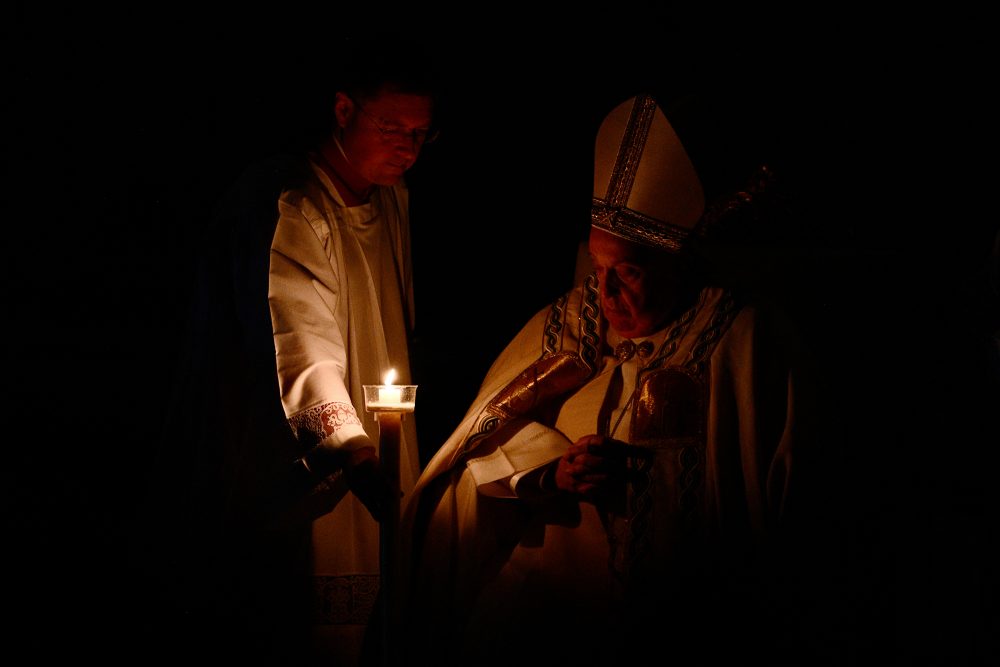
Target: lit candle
[(390, 397)]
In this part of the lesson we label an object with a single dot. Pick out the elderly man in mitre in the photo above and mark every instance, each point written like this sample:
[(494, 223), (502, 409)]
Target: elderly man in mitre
[(625, 481)]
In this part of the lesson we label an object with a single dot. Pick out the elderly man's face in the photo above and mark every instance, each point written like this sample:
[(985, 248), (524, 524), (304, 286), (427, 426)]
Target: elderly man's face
[(639, 285)]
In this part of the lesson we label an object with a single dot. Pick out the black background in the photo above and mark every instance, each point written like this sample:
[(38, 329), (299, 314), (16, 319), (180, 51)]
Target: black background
[(123, 128)]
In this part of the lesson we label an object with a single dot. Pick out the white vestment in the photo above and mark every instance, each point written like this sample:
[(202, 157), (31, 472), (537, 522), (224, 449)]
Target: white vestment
[(341, 300), (504, 567)]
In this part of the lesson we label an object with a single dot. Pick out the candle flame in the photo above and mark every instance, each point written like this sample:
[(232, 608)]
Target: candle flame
[(390, 376)]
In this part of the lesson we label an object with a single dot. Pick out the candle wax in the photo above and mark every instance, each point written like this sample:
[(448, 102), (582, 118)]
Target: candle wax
[(390, 395)]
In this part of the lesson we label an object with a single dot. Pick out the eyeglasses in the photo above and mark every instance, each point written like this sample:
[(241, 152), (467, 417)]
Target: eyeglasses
[(393, 134)]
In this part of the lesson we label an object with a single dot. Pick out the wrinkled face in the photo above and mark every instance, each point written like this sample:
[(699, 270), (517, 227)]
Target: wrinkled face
[(383, 135), (639, 286)]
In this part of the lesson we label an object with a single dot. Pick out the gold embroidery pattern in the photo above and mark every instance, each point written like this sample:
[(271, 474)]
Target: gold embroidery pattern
[(554, 327), (590, 316), (631, 147), (637, 227), (485, 425), (721, 319)]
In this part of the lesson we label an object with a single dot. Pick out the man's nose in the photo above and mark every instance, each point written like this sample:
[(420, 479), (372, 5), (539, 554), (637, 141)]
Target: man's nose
[(407, 145)]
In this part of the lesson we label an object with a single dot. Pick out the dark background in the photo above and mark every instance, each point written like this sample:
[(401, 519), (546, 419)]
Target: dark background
[(123, 128)]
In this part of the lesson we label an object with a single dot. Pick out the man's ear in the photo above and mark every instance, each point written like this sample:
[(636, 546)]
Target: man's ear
[(343, 109)]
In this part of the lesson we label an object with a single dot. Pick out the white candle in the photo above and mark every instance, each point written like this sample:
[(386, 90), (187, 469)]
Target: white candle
[(390, 396)]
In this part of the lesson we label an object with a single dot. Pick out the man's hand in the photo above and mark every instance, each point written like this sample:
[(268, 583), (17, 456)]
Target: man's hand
[(594, 467), (361, 470), (368, 481)]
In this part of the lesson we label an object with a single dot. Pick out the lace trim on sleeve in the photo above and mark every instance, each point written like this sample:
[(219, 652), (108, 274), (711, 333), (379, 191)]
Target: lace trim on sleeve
[(317, 423)]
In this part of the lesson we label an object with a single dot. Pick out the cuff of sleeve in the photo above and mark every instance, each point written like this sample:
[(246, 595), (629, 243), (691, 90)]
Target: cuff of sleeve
[(547, 479), (348, 437)]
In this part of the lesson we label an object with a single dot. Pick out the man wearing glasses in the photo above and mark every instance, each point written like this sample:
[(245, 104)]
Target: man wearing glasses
[(305, 294)]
